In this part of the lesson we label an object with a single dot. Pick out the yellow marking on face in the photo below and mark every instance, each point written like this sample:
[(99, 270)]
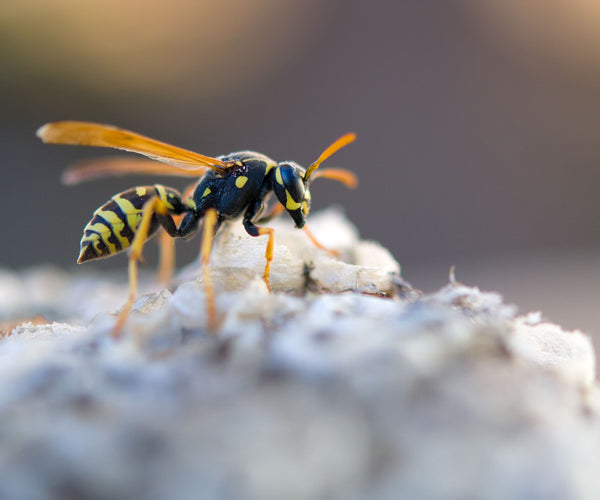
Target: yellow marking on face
[(141, 191), (305, 208), (278, 176), (240, 182), (290, 204), (207, 191)]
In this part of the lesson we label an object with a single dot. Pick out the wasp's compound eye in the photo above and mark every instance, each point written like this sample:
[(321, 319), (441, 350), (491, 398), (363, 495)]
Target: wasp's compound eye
[(292, 182)]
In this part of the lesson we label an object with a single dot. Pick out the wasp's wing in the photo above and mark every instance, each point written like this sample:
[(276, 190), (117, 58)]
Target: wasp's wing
[(96, 134), (98, 168)]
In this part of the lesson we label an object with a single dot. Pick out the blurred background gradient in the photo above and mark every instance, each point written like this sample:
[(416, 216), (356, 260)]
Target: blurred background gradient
[(478, 123)]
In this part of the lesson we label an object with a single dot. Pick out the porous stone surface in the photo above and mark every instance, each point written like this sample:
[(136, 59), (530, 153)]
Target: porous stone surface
[(343, 383)]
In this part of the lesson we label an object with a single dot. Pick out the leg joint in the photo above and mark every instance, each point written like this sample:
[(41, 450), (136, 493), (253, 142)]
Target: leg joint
[(251, 229)]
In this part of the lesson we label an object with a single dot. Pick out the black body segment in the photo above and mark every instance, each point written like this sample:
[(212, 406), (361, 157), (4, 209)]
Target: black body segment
[(232, 192)]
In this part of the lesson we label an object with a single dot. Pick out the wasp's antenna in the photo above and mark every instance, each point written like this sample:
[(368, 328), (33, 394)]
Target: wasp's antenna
[(336, 146)]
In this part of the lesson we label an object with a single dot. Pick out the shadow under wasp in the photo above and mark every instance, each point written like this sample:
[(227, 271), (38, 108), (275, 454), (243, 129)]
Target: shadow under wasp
[(230, 187)]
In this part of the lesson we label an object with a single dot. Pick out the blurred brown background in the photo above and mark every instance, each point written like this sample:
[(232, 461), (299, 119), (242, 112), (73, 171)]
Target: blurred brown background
[(478, 138)]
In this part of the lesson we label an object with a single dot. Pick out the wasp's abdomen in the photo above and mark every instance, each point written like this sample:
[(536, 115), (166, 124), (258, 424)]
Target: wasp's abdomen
[(115, 223)]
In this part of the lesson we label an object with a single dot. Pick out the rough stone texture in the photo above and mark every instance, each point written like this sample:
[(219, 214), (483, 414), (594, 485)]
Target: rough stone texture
[(345, 383)]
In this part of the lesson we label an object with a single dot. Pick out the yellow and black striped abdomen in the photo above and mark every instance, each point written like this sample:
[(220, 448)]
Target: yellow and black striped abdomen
[(115, 223)]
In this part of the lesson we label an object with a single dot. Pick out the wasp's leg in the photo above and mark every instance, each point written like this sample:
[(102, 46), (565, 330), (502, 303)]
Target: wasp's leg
[(268, 253), (277, 210), (211, 224), (152, 208), (318, 244), (274, 211), (166, 266), (253, 230)]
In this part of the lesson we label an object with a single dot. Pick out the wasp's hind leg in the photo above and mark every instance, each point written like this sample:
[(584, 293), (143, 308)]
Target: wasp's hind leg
[(153, 209), (210, 228), (166, 266)]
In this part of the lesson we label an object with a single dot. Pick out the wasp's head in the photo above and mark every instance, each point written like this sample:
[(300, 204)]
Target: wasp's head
[(291, 181), (292, 191)]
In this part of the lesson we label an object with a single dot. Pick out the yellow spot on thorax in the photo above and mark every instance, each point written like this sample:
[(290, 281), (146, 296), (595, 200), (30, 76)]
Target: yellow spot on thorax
[(269, 167), (207, 191), (140, 191), (278, 176), (240, 182)]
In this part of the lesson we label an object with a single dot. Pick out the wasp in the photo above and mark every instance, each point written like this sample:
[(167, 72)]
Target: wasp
[(231, 186)]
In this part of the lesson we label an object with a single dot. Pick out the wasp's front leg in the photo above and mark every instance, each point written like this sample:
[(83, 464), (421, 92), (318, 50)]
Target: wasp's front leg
[(253, 230)]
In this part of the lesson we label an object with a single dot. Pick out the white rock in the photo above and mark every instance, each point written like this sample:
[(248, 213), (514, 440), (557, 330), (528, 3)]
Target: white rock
[(569, 354), (302, 393)]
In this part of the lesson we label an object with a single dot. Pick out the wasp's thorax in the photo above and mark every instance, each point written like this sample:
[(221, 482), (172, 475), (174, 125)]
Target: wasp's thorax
[(292, 191)]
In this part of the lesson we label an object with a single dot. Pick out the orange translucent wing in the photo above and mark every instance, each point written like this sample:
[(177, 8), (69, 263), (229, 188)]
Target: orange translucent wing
[(96, 134), (98, 168), (338, 174), (336, 146)]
